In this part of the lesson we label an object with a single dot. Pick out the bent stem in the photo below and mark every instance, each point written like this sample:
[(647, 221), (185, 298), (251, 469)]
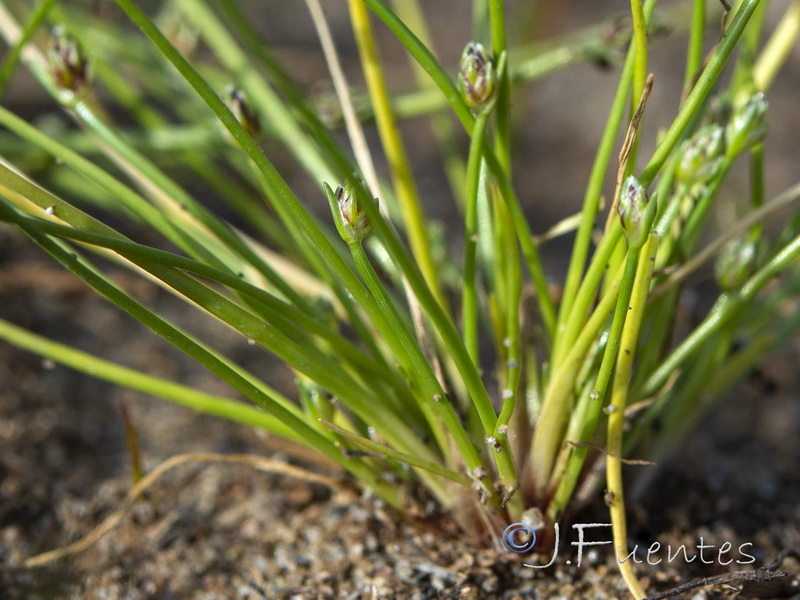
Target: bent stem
[(192, 348), (147, 384)]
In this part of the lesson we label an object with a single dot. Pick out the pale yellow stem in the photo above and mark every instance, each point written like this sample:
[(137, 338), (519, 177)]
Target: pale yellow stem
[(777, 48), (616, 409), (402, 176)]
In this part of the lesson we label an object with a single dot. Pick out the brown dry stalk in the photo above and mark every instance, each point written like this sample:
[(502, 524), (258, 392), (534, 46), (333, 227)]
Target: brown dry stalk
[(257, 462), (627, 145)]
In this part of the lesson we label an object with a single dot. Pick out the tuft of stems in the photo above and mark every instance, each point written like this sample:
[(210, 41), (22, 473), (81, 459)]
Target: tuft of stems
[(482, 377)]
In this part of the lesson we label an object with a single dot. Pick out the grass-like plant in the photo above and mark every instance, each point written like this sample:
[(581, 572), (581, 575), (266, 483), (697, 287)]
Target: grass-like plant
[(414, 366)]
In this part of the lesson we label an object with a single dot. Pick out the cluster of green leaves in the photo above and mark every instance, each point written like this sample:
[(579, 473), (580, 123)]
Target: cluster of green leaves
[(363, 312)]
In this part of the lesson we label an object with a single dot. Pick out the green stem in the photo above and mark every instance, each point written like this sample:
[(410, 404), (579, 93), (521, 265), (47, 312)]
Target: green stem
[(509, 294), (435, 403), (529, 248), (563, 485), (619, 399), (510, 353), (448, 332), (401, 457), (442, 126), (294, 322), (640, 51), (757, 192), (154, 386), (575, 319), (469, 307), (411, 357), (659, 331), (402, 176), (550, 425), (12, 58), (428, 62), (700, 92), (497, 19), (547, 444), (195, 350), (591, 200), (778, 48), (723, 311), (694, 55), (640, 32), (450, 337)]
